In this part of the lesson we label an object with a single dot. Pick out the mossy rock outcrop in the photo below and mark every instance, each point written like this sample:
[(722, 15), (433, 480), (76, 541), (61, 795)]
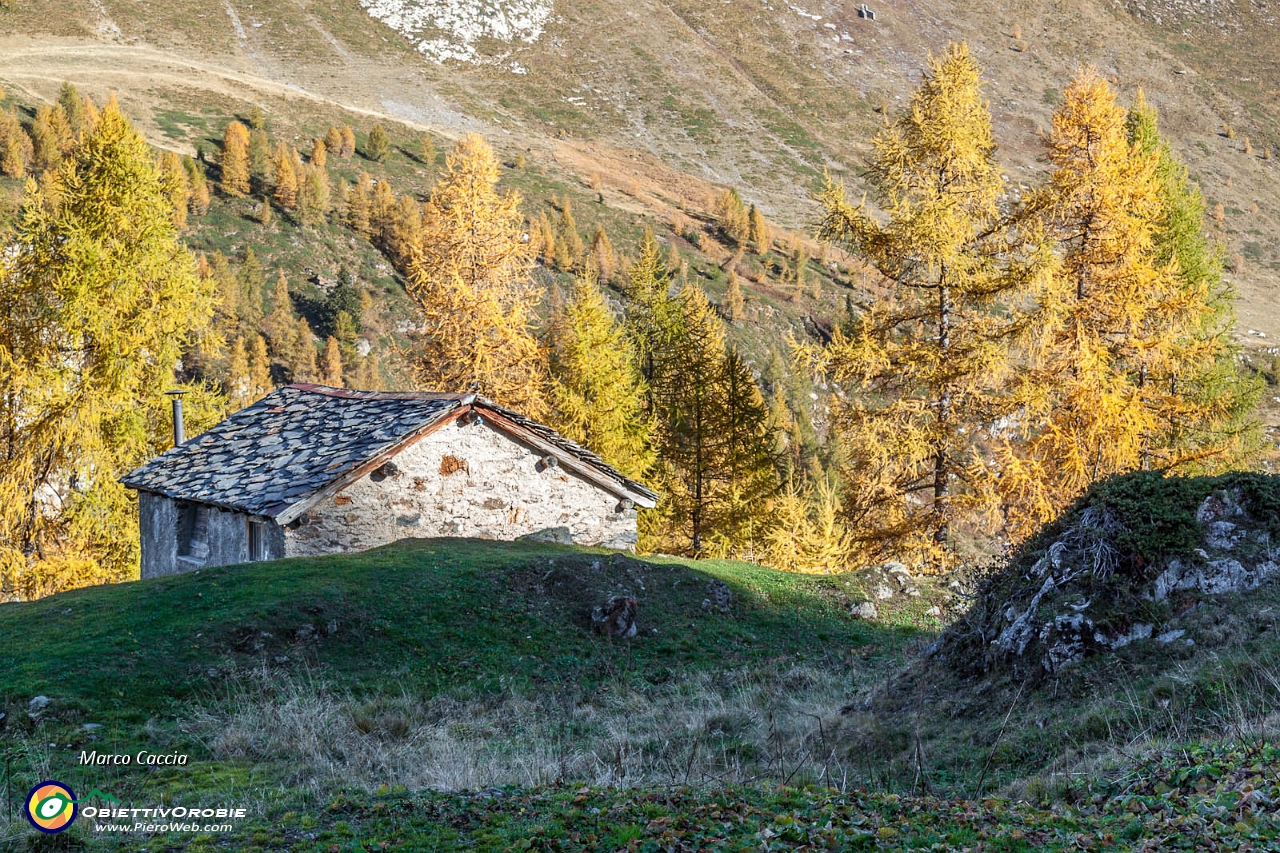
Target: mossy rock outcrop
[(1125, 565)]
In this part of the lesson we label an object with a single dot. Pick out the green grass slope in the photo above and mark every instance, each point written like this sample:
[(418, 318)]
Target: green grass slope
[(450, 695), (1148, 670), (472, 662), (420, 614)]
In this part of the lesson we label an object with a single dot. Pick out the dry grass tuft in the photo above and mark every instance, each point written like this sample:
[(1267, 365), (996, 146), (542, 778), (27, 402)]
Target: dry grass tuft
[(776, 723)]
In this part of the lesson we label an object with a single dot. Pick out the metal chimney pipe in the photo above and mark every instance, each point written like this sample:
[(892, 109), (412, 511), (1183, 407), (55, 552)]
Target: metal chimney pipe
[(179, 428)]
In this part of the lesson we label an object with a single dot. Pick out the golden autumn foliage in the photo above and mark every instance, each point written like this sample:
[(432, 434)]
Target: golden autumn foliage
[(1105, 318), (177, 186), (285, 178), (235, 160), (331, 364), (926, 360), (598, 394), (319, 153), (98, 301), (809, 533), (469, 277), (15, 147), (733, 300), (378, 145)]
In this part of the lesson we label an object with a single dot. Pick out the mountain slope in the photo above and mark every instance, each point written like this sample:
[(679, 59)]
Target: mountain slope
[(759, 93), (651, 106)]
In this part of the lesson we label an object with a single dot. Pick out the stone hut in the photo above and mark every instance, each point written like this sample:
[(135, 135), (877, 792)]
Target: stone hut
[(313, 470)]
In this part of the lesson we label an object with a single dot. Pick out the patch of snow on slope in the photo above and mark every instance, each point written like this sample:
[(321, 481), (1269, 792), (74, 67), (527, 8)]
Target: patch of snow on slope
[(450, 29)]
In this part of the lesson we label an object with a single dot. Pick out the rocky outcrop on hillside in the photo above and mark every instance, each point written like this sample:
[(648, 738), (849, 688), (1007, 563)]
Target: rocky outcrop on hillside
[(1124, 566), (453, 29)]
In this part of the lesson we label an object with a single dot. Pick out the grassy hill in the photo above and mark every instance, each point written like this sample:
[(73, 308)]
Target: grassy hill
[(446, 664), (449, 694), (422, 614)]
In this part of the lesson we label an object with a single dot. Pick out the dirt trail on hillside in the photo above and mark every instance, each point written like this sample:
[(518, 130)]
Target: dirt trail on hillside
[(38, 64), (639, 182)]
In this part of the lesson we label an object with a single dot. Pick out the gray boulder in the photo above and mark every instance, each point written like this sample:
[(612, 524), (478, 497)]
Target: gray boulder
[(555, 535)]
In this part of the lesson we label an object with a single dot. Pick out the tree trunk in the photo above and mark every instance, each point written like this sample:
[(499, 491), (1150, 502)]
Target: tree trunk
[(941, 462)]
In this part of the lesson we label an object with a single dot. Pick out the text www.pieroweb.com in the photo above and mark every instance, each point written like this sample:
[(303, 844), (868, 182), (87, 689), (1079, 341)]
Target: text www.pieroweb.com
[(175, 819)]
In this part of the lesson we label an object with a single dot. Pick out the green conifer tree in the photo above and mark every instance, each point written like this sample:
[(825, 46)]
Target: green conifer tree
[(1207, 413), (747, 474), (689, 409), (598, 395)]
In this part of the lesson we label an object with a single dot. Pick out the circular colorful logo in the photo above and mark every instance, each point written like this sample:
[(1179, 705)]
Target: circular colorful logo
[(51, 806)]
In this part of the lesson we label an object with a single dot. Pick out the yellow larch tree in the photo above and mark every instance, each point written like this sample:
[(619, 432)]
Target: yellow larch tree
[(733, 300), (469, 278), (303, 366), (235, 160), (924, 362), (809, 534), (598, 394), (331, 364), (319, 153), (98, 301), (177, 185), (260, 384), (1105, 327), (285, 178)]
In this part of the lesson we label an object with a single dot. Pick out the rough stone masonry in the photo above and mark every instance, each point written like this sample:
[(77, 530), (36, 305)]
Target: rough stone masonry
[(462, 480)]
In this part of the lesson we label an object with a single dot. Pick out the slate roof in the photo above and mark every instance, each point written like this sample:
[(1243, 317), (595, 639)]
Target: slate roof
[(298, 440)]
